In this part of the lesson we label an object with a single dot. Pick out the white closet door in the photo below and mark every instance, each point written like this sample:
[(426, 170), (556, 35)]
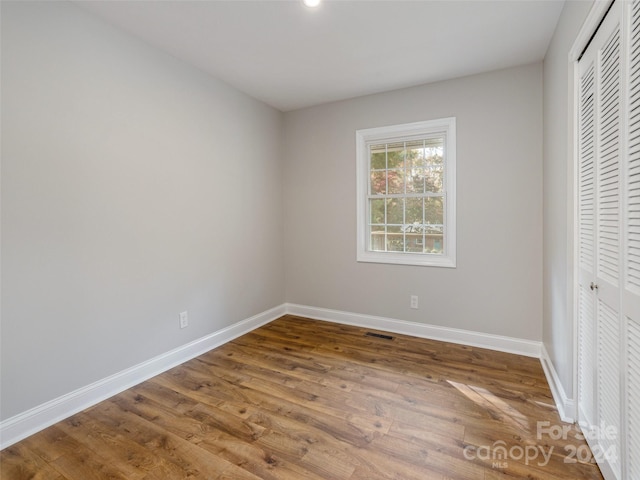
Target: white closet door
[(586, 247), (630, 299), (608, 242), (599, 327), (608, 267)]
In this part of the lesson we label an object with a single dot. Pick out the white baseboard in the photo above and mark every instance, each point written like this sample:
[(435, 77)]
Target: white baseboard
[(566, 406), (500, 343), (31, 421)]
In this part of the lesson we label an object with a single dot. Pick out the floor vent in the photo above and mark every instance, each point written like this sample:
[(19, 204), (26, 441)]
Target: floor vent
[(379, 335)]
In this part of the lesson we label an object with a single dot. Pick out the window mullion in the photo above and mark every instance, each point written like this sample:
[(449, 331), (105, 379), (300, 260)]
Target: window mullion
[(424, 233), (404, 199), (386, 191), (386, 169)]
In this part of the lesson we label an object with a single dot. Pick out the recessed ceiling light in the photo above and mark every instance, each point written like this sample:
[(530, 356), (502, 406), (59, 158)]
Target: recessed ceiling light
[(311, 3)]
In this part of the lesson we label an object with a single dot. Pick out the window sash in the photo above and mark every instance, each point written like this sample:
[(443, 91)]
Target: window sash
[(431, 142)]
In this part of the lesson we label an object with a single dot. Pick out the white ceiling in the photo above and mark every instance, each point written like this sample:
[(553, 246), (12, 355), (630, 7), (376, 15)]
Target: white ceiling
[(291, 56)]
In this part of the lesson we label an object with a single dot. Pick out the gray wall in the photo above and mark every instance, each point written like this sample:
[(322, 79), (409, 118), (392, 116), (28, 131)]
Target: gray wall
[(558, 334), (497, 285), (133, 187)]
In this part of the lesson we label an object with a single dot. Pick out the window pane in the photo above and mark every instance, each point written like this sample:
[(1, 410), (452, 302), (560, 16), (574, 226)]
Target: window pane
[(415, 180), (378, 183), (433, 210), (376, 207), (395, 179), (414, 240), (413, 212), (415, 154), (433, 239), (395, 239), (377, 238), (378, 157), (395, 155), (394, 211), (433, 179), (434, 149)]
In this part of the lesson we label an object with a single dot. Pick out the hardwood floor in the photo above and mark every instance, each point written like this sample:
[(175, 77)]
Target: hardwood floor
[(303, 399)]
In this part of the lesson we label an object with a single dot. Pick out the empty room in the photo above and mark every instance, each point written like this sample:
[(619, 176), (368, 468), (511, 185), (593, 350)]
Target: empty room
[(325, 239)]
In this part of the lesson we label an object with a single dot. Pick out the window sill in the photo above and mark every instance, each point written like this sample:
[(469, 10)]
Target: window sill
[(420, 260)]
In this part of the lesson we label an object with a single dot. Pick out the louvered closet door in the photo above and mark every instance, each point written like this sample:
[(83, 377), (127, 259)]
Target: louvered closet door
[(599, 328), (609, 135), (630, 299), (609, 242), (586, 247)]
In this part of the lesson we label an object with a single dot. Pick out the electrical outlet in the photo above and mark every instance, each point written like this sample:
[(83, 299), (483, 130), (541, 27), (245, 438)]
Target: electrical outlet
[(414, 302), (184, 320)]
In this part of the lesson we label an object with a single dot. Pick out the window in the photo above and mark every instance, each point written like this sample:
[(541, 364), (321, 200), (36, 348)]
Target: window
[(406, 193)]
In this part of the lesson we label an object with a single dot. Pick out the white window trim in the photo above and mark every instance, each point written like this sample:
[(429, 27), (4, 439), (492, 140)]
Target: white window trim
[(407, 131)]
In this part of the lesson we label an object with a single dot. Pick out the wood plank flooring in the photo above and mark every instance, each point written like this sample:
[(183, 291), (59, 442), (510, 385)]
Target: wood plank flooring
[(302, 399)]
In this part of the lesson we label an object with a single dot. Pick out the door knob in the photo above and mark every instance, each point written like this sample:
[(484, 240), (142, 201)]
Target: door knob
[(593, 286)]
